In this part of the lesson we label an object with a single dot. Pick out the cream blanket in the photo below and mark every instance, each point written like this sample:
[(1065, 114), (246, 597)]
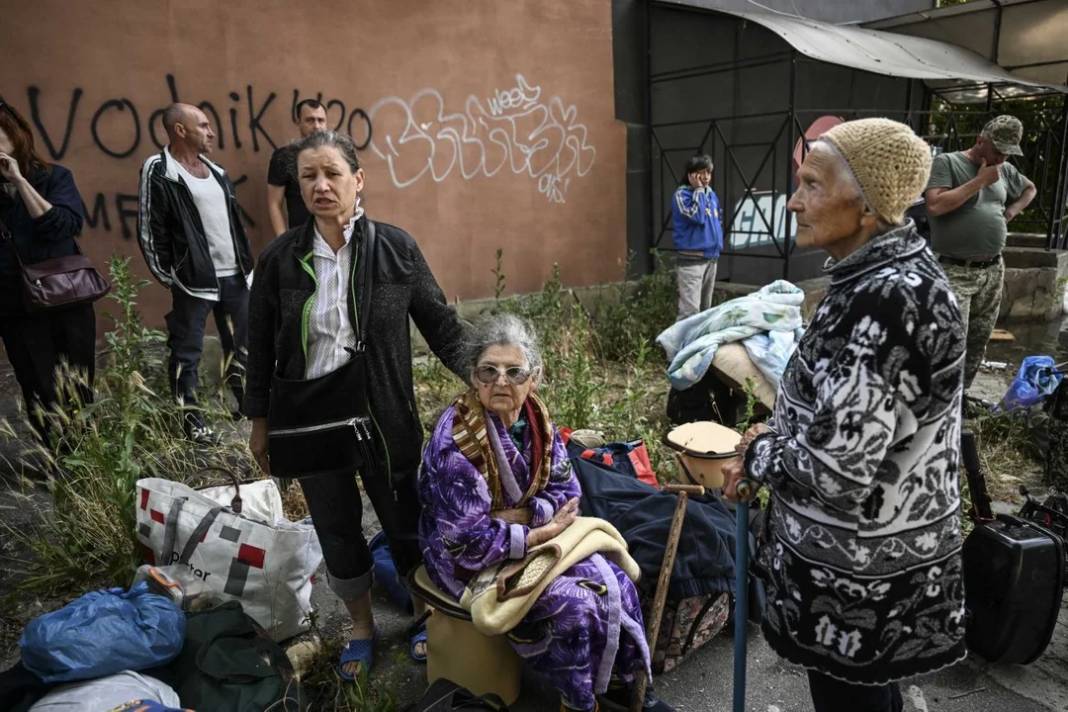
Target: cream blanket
[(499, 596)]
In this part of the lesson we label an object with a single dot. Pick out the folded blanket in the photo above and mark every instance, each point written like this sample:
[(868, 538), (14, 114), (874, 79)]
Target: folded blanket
[(499, 596), (691, 344), (771, 350)]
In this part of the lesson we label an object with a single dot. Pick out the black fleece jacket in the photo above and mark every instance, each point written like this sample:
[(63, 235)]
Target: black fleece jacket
[(403, 286), (44, 237)]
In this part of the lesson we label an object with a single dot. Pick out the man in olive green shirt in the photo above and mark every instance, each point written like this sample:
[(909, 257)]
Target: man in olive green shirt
[(971, 196)]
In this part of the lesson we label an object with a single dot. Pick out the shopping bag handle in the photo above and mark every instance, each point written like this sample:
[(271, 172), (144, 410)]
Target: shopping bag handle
[(191, 544), (235, 503), (197, 535)]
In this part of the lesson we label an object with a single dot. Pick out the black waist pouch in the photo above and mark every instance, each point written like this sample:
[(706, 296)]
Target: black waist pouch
[(323, 426)]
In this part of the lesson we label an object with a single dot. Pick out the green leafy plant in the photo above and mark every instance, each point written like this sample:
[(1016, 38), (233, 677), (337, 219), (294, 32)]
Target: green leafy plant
[(632, 314), (751, 402)]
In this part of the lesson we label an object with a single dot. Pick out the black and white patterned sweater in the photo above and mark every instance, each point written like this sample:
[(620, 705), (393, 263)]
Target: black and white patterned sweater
[(862, 546)]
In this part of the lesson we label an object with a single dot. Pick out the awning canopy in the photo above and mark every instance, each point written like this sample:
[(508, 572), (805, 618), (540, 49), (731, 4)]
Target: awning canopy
[(957, 72), (1028, 38)]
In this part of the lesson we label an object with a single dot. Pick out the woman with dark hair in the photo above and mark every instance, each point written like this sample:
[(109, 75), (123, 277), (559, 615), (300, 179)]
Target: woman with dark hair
[(698, 236), (332, 298), (40, 215)]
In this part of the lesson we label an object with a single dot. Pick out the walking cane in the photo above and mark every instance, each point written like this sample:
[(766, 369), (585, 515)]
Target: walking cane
[(741, 590), (652, 625)]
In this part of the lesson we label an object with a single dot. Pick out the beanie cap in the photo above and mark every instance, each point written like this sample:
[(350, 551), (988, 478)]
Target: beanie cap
[(889, 161)]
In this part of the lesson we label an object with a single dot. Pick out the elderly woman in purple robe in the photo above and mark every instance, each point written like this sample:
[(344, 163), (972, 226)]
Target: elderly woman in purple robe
[(495, 482)]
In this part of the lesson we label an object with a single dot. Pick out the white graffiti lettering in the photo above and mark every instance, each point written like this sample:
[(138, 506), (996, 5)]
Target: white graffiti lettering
[(521, 97), (513, 128), (753, 213), (553, 187)]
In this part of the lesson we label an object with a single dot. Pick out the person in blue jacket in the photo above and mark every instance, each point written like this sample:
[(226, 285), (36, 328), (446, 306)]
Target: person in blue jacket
[(698, 236), (40, 215)]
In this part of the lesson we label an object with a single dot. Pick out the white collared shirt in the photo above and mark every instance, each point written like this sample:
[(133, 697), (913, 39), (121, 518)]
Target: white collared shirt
[(330, 332)]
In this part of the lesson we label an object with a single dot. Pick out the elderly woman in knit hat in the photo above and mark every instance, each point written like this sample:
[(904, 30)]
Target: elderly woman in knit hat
[(862, 542)]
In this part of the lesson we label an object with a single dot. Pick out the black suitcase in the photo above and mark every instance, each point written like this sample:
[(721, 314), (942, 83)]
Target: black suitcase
[(1013, 579)]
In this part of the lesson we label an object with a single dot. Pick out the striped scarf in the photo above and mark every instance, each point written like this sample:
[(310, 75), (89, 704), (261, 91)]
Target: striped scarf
[(469, 434)]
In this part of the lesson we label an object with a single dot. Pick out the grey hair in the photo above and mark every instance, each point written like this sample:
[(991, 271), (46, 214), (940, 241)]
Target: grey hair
[(847, 170), (340, 141), (502, 330)]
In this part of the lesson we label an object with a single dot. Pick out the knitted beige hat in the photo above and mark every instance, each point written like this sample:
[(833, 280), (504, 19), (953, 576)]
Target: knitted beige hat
[(889, 161)]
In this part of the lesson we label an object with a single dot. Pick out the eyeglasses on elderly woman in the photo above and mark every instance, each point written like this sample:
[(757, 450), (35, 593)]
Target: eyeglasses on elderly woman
[(488, 375)]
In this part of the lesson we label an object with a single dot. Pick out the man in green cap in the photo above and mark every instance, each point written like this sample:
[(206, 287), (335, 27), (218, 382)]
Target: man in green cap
[(971, 197)]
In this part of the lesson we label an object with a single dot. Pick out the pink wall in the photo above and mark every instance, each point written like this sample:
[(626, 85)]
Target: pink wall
[(491, 123)]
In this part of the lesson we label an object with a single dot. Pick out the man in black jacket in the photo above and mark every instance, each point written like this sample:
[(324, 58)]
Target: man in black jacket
[(195, 245)]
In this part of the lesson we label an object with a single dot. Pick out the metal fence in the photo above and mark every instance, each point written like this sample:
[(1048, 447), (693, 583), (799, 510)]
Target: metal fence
[(754, 177)]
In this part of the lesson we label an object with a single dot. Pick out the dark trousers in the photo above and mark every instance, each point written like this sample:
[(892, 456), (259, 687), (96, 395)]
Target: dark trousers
[(185, 336), (36, 343), (337, 514), (833, 695)]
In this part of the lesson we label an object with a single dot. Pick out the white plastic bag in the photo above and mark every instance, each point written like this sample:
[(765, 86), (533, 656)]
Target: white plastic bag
[(106, 693), (266, 565)]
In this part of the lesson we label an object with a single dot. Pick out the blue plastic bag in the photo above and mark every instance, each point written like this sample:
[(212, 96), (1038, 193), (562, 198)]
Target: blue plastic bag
[(1037, 379), (102, 633)]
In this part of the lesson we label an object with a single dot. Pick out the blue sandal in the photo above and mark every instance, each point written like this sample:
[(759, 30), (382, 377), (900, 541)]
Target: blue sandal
[(417, 636), (356, 651)]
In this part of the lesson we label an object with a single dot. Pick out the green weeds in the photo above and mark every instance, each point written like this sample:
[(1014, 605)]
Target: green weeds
[(97, 451)]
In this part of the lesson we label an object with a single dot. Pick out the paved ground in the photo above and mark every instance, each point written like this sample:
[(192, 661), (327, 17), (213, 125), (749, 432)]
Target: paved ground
[(703, 682)]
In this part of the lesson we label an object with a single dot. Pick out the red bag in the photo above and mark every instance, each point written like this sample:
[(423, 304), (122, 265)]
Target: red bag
[(627, 458)]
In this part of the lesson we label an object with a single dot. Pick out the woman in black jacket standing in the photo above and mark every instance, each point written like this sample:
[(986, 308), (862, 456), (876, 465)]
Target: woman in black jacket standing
[(40, 215), (330, 303)]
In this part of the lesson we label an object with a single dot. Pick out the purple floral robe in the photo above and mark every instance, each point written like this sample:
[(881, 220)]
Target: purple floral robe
[(587, 625)]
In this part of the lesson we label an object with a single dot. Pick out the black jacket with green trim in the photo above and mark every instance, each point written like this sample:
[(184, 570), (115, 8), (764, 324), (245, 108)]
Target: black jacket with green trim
[(402, 286)]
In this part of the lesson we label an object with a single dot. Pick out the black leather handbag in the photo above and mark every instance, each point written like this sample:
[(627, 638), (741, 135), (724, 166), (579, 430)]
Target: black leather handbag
[(323, 426)]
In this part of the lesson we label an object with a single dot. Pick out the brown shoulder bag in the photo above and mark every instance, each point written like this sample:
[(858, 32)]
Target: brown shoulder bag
[(59, 281)]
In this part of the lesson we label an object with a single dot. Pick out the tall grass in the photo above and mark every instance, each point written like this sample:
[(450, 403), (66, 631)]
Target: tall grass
[(1010, 450), (324, 691), (98, 450)]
